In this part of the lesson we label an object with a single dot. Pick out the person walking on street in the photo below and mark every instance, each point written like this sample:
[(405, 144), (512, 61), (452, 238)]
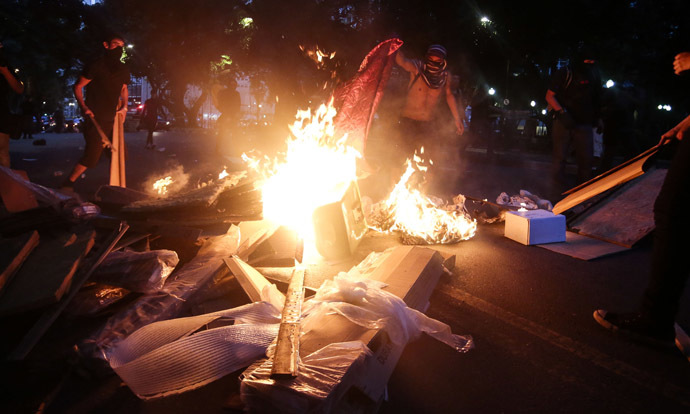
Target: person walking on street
[(574, 94), (9, 85), (105, 81), (149, 118), (654, 322)]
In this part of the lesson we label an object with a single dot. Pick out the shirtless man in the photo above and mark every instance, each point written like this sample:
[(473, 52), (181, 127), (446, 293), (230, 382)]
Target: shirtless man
[(429, 82)]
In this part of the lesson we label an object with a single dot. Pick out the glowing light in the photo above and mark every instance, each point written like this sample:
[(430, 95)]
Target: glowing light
[(543, 112), (492, 91), (314, 171), (485, 19), (130, 46), (317, 55), (417, 216), (610, 83), (532, 104), (246, 22), (161, 186), (223, 174), (660, 107)]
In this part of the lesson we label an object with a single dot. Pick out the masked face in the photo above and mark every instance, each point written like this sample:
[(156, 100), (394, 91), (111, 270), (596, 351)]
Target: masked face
[(113, 55), (434, 62)]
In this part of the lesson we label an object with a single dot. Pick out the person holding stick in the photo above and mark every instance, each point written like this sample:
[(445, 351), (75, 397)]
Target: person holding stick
[(105, 80), (654, 323)]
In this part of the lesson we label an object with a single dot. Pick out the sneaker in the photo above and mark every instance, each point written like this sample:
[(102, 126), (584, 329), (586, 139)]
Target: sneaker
[(636, 327)]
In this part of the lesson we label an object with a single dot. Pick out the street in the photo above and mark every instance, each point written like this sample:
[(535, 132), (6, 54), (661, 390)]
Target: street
[(538, 349)]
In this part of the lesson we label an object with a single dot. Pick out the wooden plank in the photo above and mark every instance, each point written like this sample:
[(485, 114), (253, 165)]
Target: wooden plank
[(250, 279), (47, 274), (280, 249), (118, 196), (604, 182), (287, 344), (252, 234), (49, 316), (13, 252), (627, 215)]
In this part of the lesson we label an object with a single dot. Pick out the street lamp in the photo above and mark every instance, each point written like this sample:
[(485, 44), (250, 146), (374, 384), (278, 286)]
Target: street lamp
[(492, 91), (532, 104), (610, 83)]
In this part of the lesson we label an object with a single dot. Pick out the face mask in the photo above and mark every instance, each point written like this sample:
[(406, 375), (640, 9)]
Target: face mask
[(114, 55), (434, 65)]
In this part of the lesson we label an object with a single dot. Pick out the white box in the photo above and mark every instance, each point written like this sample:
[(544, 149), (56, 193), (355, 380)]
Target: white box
[(535, 227)]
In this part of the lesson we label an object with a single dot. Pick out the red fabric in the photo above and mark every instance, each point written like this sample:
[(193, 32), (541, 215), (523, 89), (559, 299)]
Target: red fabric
[(357, 99)]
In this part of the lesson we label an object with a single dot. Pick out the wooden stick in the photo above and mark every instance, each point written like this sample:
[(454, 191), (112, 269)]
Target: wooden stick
[(287, 345), (104, 138)]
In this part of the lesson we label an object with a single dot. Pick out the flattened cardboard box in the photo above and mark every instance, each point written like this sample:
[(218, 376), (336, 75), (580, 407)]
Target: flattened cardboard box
[(535, 227)]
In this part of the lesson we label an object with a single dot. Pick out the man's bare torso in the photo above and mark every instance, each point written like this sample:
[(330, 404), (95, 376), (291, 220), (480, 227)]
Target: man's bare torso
[(421, 100)]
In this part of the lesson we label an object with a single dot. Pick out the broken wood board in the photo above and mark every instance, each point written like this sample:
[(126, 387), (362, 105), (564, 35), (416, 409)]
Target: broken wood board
[(606, 181), (13, 252), (286, 353), (252, 282), (281, 249), (118, 196), (252, 234), (47, 273), (15, 196), (197, 198), (625, 216), (411, 273), (583, 247), (51, 314)]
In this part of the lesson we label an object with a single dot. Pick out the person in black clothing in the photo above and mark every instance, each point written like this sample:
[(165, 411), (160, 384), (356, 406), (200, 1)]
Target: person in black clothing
[(9, 85), (574, 94), (106, 81), (654, 322), (27, 119), (228, 103), (149, 118)]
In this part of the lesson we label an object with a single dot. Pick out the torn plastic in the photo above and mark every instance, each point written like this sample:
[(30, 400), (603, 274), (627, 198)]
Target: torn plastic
[(525, 200), (316, 386), (168, 302), (92, 299), (363, 302), (144, 272), (168, 357)]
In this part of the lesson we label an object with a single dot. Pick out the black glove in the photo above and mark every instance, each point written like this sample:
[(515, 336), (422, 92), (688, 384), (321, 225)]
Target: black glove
[(566, 119)]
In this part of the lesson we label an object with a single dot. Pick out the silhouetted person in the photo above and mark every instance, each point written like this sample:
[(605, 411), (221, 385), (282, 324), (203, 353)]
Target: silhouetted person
[(575, 95), (27, 120), (654, 322), (9, 86), (229, 104), (149, 118), (106, 81)]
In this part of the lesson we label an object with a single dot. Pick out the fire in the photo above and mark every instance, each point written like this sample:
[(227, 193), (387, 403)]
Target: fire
[(420, 219), (223, 174), (314, 171), (317, 55), (162, 185)]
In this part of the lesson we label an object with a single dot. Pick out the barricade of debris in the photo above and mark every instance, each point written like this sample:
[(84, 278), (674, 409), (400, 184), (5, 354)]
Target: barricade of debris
[(174, 293)]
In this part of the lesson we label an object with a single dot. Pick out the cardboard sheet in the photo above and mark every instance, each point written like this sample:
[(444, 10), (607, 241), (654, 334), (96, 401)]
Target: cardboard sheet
[(583, 247)]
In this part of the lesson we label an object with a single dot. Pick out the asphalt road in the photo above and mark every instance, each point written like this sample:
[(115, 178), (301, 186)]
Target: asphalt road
[(529, 310)]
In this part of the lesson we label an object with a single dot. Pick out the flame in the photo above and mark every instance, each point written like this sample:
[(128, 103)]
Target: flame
[(418, 217), (223, 174), (162, 185), (317, 55), (314, 171)]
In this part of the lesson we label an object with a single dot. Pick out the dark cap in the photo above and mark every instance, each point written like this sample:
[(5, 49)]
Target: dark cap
[(436, 50)]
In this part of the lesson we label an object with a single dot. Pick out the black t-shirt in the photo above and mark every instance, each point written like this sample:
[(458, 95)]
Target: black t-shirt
[(103, 92), (582, 95)]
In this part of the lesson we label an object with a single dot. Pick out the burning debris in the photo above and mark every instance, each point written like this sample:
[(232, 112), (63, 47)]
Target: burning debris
[(419, 218)]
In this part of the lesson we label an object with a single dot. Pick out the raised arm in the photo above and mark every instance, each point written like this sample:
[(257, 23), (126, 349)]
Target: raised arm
[(17, 86), (405, 63)]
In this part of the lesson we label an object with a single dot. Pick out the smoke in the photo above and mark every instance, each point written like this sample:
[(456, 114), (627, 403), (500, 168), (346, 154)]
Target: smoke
[(180, 179)]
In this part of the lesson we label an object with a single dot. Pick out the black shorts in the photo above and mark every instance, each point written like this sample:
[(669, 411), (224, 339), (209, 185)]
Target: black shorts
[(94, 143)]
